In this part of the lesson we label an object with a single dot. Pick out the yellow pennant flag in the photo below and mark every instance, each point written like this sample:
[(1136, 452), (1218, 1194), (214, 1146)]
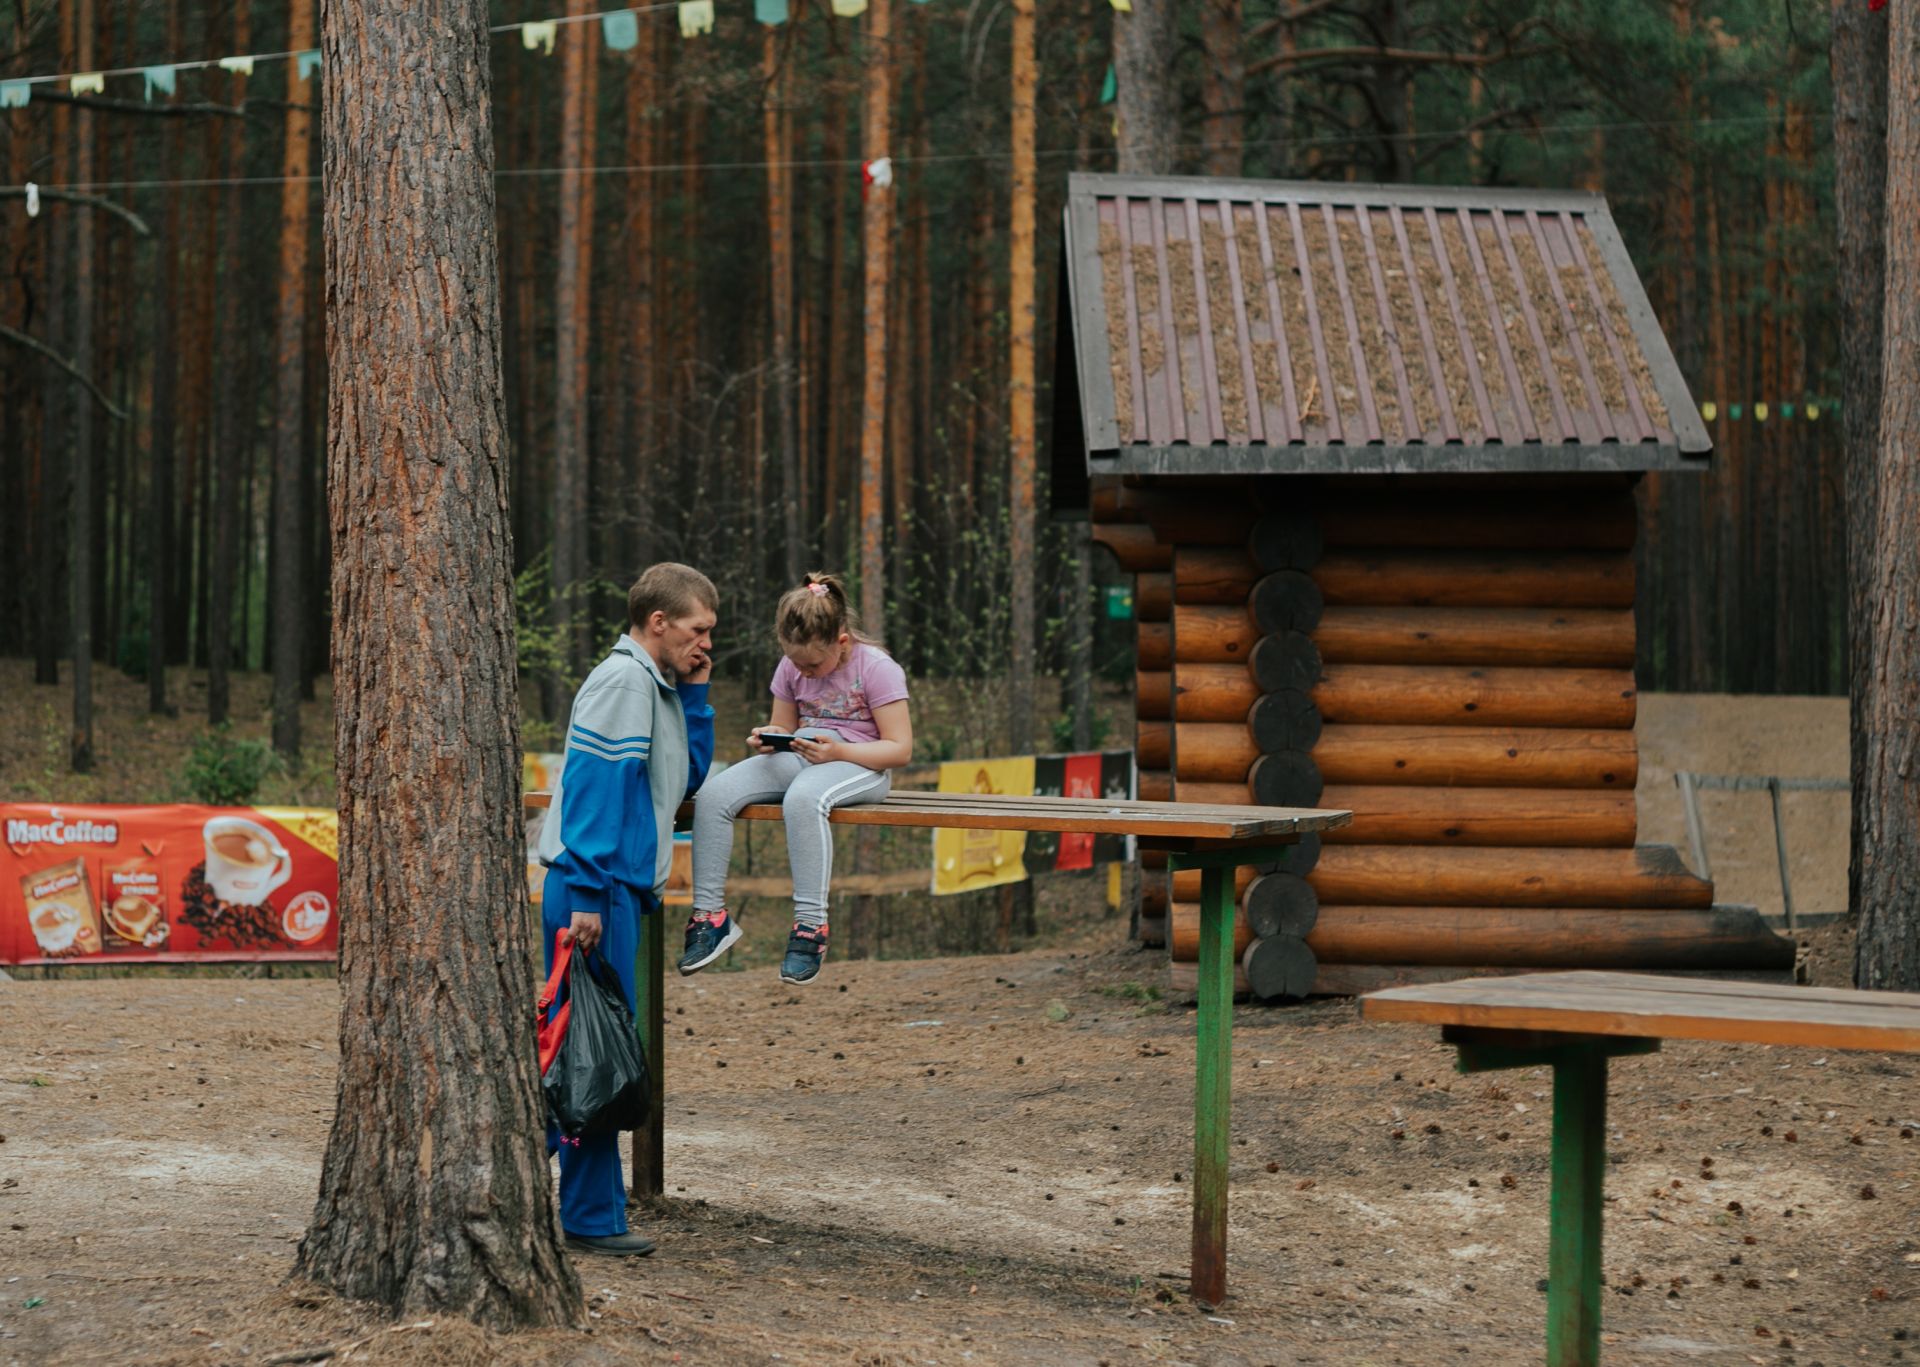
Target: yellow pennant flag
[(239, 66), (539, 35), (88, 83), (696, 18), (1709, 410), (849, 9), (967, 859), (1123, 6)]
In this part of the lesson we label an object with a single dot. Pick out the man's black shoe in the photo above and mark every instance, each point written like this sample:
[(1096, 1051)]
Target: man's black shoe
[(611, 1245)]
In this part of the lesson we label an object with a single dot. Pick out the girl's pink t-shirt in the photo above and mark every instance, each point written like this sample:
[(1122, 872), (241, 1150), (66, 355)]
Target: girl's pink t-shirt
[(843, 701)]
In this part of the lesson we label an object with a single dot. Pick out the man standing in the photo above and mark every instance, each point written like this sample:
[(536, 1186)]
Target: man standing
[(639, 741)]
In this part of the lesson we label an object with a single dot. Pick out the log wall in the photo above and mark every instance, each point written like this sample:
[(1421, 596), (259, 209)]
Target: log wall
[(1452, 659)]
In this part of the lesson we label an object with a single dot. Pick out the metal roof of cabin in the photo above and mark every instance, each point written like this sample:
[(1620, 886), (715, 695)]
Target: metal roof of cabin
[(1421, 328)]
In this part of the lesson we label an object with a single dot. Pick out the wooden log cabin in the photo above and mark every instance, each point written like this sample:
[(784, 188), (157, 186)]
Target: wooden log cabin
[(1370, 454)]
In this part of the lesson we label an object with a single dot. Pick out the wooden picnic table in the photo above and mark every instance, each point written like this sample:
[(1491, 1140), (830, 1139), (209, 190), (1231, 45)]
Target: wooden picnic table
[(1575, 1022), (1213, 839)]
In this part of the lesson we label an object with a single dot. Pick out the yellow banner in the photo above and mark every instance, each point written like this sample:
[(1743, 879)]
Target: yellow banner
[(964, 860)]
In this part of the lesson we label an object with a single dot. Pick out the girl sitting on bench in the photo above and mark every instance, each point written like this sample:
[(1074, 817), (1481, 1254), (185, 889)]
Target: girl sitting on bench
[(840, 726)]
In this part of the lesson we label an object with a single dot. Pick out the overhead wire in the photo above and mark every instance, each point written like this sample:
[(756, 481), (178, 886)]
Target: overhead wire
[(939, 158)]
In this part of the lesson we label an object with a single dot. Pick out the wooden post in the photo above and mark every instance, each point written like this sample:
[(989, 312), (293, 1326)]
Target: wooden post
[(648, 1177)]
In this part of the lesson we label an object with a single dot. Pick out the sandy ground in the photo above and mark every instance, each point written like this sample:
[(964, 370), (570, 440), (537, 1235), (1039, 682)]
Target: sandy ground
[(985, 1160), (976, 1182)]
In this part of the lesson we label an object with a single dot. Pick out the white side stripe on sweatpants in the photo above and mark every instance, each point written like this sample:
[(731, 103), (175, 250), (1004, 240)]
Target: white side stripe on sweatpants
[(827, 801)]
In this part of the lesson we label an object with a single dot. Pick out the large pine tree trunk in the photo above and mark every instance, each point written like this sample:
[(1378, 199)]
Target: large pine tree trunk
[(1020, 319), (1886, 703), (435, 1195), (1859, 63), (877, 232), (290, 601)]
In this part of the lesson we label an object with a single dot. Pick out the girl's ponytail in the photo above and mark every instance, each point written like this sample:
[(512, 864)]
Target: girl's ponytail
[(816, 612)]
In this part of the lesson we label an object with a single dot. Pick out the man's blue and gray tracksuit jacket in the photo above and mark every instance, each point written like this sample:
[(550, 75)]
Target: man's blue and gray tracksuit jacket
[(636, 746)]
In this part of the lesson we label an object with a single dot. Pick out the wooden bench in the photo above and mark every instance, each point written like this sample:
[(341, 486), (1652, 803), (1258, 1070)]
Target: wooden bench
[(1575, 1022), (1215, 840)]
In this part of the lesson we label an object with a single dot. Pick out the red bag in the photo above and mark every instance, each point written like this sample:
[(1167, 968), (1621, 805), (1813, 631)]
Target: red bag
[(553, 1027)]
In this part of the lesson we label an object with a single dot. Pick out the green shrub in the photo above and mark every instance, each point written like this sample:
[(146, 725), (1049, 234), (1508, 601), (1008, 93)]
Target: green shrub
[(225, 771)]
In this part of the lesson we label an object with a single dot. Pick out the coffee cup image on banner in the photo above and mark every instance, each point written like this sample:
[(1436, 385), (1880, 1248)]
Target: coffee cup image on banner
[(245, 861)]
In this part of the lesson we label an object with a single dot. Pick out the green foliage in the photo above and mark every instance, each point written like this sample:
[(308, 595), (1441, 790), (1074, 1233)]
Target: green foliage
[(541, 644), (1097, 731), (226, 771)]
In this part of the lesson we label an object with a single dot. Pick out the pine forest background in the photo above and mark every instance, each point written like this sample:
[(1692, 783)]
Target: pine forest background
[(650, 398)]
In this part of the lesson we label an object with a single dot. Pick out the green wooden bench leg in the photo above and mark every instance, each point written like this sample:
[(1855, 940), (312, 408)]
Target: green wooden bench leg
[(1579, 1172), (649, 983), (1213, 1085)]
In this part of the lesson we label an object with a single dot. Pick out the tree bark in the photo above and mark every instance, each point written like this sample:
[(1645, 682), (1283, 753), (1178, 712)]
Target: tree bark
[(1020, 377), (571, 288), (641, 421), (1858, 56), (780, 259), (1886, 794), (1223, 86), (877, 224), (435, 1195), (80, 512), (1147, 100), (160, 461), (290, 600), (233, 410)]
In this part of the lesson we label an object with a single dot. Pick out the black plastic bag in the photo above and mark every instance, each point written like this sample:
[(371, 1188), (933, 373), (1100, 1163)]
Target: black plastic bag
[(598, 1081)]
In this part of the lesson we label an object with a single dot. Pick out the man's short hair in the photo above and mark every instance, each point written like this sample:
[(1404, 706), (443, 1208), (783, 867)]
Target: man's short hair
[(675, 589)]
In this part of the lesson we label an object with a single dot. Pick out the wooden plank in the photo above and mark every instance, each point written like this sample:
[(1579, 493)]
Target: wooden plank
[(1393, 814), (1480, 757), (1714, 938), (1650, 876), (1097, 816), (1631, 1004), (1521, 578), (1552, 637), (1463, 695), (1721, 987)]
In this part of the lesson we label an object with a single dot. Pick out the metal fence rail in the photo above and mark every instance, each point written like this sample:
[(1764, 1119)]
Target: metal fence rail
[(1773, 785)]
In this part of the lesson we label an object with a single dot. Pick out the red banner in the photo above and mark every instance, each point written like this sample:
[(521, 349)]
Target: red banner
[(172, 883)]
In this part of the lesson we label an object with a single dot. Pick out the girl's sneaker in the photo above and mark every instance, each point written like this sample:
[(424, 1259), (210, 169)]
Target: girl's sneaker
[(709, 935), (806, 951)]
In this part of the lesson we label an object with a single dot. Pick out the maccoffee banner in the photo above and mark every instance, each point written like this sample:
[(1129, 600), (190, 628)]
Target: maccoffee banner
[(167, 883)]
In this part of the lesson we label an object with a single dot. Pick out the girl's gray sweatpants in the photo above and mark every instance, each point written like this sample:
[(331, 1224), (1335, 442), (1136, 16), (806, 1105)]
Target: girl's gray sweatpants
[(807, 792)]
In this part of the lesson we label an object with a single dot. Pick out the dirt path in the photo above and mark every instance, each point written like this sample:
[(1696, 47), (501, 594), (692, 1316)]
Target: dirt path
[(977, 1183)]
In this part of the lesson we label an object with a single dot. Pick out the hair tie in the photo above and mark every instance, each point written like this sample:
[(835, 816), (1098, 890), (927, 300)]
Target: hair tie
[(818, 590)]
